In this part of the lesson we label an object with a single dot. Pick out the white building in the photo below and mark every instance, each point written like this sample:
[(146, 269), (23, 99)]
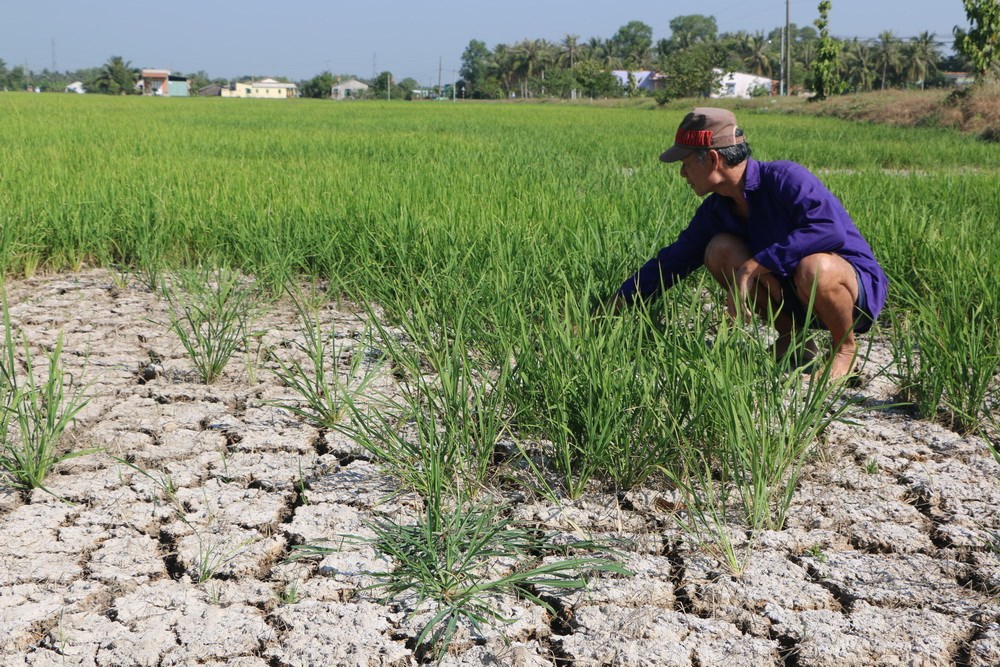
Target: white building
[(742, 85), (76, 87), (345, 90), (265, 89), (644, 79)]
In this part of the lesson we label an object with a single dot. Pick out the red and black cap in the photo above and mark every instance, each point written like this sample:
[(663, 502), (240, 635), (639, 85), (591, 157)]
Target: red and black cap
[(705, 127)]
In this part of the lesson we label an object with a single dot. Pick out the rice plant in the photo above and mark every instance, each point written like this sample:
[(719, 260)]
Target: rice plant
[(453, 410), (34, 414), (212, 314), (947, 349), (459, 554), (323, 394), (607, 393)]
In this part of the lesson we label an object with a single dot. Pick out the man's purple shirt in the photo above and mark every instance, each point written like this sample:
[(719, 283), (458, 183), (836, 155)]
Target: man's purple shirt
[(791, 215)]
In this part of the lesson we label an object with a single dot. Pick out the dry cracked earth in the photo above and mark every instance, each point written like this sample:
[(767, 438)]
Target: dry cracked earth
[(889, 556)]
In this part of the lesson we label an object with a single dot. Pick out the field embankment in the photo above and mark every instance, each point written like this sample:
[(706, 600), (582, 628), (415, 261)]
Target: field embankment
[(974, 111)]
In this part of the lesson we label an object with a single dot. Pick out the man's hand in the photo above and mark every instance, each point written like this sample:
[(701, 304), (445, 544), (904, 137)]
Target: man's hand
[(613, 306), (746, 285)]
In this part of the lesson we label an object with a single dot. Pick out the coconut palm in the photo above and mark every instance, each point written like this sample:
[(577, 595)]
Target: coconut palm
[(501, 65), (117, 77), (887, 54), (755, 53), (531, 56), (921, 57), (569, 50), (858, 65)]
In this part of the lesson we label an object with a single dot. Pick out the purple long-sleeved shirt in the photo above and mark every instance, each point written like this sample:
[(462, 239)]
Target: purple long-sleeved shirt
[(791, 215)]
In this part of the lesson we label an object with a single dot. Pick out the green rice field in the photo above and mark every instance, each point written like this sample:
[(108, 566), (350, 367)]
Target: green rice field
[(490, 233)]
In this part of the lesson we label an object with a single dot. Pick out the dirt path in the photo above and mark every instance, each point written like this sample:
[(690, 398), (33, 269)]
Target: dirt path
[(886, 560)]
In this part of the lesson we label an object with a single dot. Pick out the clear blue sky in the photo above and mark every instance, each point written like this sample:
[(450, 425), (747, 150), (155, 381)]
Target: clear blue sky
[(300, 38)]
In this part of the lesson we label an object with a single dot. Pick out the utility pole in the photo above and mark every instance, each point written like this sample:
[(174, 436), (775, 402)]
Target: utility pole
[(439, 76), (788, 49), (781, 66)]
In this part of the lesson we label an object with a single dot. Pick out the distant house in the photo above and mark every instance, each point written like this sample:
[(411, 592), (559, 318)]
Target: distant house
[(644, 79), (161, 83), (742, 85), (211, 90), (154, 82), (76, 87), (345, 90), (265, 89), (178, 86), (959, 78)]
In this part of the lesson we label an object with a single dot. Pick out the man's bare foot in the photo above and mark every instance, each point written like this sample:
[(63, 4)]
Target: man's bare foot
[(840, 366)]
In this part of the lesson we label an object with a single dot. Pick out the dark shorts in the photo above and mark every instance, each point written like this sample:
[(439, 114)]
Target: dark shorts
[(863, 319)]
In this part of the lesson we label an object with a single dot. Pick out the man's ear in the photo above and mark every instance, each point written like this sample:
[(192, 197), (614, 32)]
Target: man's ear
[(717, 162)]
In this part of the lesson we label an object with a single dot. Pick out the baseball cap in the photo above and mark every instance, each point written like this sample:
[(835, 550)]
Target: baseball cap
[(705, 127)]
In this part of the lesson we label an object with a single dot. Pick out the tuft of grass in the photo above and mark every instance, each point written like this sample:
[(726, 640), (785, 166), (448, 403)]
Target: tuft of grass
[(211, 312), (164, 481), (324, 395), (454, 407), (213, 555), (34, 415), (947, 349), (450, 559)]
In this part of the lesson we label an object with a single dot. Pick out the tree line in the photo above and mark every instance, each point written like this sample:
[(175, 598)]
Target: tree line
[(695, 49), (117, 76), (689, 61)]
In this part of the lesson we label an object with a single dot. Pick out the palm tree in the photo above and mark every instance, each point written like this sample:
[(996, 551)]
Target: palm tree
[(857, 66), (501, 66), (599, 50), (887, 54), (531, 56), (921, 56), (569, 50), (117, 77), (755, 52)]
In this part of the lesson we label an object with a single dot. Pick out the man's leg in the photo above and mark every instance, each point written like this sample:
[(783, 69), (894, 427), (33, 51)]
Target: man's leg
[(723, 256), (836, 292)]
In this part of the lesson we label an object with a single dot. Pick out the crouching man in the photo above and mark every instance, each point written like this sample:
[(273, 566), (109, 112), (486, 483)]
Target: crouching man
[(772, 235)]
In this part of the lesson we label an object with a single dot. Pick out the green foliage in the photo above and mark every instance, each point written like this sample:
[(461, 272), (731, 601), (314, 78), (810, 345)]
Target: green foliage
[(825, 80), (117, 77), (319, 86), (691, 72), (324, 395), (475, 68), (449, 560), (384, 87), (211, 313), (981, 43), (454, 403), (631, 43), (595, 80), (34, 415), (689, 30)]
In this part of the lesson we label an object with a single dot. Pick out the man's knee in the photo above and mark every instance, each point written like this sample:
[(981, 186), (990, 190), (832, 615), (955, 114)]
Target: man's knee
[(725, 253), (821, 272)]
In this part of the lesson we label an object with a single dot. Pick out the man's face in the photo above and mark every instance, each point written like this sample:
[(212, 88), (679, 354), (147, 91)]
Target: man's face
[(696, 172)]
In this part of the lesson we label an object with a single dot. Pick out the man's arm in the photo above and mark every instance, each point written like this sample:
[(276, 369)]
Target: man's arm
[(671, 263)]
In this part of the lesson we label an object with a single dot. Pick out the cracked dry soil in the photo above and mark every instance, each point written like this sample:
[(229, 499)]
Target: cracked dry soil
[(886, 558)]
